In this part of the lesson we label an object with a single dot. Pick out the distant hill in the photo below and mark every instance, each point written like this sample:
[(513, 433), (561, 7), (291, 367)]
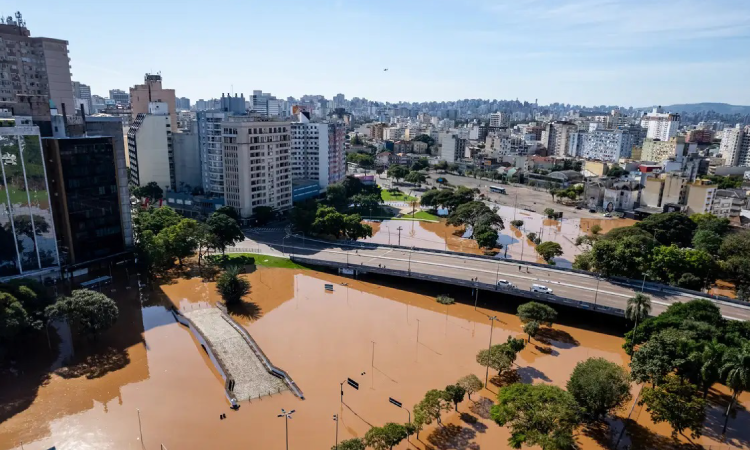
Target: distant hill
[(721, 108)]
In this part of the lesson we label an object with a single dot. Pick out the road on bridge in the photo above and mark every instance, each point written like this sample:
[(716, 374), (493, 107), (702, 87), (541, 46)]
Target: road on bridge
[(577, 286)]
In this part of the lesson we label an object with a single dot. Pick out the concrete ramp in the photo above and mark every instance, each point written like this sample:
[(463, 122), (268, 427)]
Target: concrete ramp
[(236, 356)]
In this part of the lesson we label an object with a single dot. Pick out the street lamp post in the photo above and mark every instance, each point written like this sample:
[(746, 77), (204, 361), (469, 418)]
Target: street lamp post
[(286, 415), (336, 419), (476, 297), (597, 291), (410, 263), (399, 235), (489, 349)]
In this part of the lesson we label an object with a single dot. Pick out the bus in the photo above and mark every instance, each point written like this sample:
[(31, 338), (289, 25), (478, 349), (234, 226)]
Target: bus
[(497, 189)]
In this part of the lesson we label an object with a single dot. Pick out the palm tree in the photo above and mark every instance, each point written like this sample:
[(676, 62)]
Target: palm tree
[(638, 309), (709, 361), (736, 372)]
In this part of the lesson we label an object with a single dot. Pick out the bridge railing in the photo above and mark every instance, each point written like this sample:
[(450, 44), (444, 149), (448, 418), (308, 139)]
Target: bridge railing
[(462, 282)]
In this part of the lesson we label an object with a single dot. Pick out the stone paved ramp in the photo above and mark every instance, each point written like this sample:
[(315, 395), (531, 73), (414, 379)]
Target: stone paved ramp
[(235, 354)]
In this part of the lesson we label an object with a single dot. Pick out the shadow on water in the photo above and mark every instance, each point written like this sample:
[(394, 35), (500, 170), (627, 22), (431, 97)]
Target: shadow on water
[(94, 363), (245, 310), (504, 303), (481, 407), (556, 338), (530, 374), (452, 436)]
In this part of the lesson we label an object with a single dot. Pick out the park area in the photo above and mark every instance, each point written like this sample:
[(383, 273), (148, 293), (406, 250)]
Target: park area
[(147, 381)]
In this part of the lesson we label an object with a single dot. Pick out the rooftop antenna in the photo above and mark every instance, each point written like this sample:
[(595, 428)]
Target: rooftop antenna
[(19, 19)]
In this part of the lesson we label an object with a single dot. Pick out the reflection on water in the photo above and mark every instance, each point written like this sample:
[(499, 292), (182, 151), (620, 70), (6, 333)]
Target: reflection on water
[(396, 343)]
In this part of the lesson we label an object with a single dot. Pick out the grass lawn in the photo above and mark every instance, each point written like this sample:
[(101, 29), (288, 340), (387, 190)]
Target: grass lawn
[(400, 197), (266, 261), (422, 215)]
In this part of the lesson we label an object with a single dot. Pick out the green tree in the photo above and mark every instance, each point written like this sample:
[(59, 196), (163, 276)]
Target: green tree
[(154, 220), (517, 223), (385, 437), (441, 165), (13, 318), (397, 171), (501, 356), (181, 240), (616, 171), (350, 444), (486, 237), (599, 387), (637, 309), (228, 211), (709, 222), (231, 286), (225, 231), (455, 393), (676, 403), (427, 140), (660, 356), (87, 311), (356, 140), (420, 164), (471, 384), (303, 215), (596, 229), (709, 362), (537, 312), (549, 250), (541, 414), (549, 212), (263, 214), (531, 328), (415, 177), (336, 196), (354, 228), (151, 191), (474, 214), (708, 241), (736, 373), (669, 228), (430, 408), (429, 199)]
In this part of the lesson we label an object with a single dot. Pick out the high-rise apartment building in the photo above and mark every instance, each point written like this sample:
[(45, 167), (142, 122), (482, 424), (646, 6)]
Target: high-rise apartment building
[(82, 96), (187, 159), (499, 119), (452, 147), (28, 242), (266, 105), (656, 150), (660, 125), (212, 157), (141, 95), (556, 137), (182, 103), (33, 72), (119, 96), (602, 145), (90, 198), (150, 148), (731, 145), (257, 164), (317, 151)]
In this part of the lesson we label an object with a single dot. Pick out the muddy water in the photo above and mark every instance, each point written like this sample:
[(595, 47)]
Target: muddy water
[(514, 241), (394, 343)]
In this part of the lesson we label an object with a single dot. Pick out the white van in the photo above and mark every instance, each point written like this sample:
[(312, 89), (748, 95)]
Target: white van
[(541, 289)]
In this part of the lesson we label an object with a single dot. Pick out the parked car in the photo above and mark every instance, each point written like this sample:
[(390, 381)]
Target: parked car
[(607, 215), (506, 283), (541, 289)]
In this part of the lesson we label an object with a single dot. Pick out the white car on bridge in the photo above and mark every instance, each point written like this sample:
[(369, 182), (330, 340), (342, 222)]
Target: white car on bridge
[(541, 289), (506, 284)]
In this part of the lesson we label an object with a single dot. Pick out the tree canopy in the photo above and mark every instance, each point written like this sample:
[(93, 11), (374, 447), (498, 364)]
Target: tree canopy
[(676, 403), (549, 250), (541, 414), (87, 311), (231, 286), (599, 387), (669, 228)]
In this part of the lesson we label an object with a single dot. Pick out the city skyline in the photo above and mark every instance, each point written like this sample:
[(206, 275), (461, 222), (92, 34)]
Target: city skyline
[(588, 52)]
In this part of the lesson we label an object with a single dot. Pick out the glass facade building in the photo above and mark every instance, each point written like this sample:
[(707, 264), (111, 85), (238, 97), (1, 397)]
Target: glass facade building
[(84, 182), (27, 231)]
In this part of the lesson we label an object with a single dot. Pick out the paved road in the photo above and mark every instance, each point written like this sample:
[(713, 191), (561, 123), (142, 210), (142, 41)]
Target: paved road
[(576, 286)]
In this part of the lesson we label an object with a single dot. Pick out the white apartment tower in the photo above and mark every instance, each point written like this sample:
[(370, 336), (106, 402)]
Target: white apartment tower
[(212, 158), (257, 164), (731, 144), (499, 119), (660, 125), (150, 148), (317, 151), (557, 136)]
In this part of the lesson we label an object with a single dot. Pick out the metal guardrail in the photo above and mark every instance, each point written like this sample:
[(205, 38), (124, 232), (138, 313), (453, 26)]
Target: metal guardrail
[(461, 282)]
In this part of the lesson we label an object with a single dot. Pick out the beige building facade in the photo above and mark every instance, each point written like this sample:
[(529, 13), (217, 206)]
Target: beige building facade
[(257, 164), (700, 197), (152, 91)]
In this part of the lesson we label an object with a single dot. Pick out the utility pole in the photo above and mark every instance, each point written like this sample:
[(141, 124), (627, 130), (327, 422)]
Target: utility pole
[(399, 234), (597, 291), (336, 419), (489, 349)]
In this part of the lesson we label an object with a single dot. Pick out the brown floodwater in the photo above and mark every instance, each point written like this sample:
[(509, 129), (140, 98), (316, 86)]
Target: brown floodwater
[(396, 343)]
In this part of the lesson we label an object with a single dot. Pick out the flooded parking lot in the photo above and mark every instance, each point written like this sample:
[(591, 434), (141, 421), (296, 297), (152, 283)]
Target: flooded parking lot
[(391, 337)]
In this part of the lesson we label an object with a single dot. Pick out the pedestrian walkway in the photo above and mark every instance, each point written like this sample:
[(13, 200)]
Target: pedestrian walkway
[(235, 355)]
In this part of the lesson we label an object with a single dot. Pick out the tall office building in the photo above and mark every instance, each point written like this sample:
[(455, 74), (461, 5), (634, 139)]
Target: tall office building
[(27, 229), (119, 96), (141, 95), (660, 125), (35, 70), (212, 157), (257, 166), (182, 103), (82, 96), (266, 105), (187, 158), (90, 198), (150, 148), (317, 151)]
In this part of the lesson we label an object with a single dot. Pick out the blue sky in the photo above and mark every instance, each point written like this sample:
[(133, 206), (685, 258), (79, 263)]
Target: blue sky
[(628, 52)]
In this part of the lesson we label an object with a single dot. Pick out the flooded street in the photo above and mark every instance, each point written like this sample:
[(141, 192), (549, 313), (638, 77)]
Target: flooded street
[(396, 343), (437, 235)]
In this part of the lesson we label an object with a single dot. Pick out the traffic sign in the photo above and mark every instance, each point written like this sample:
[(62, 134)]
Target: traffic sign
[(394, 401), (352, 383)]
